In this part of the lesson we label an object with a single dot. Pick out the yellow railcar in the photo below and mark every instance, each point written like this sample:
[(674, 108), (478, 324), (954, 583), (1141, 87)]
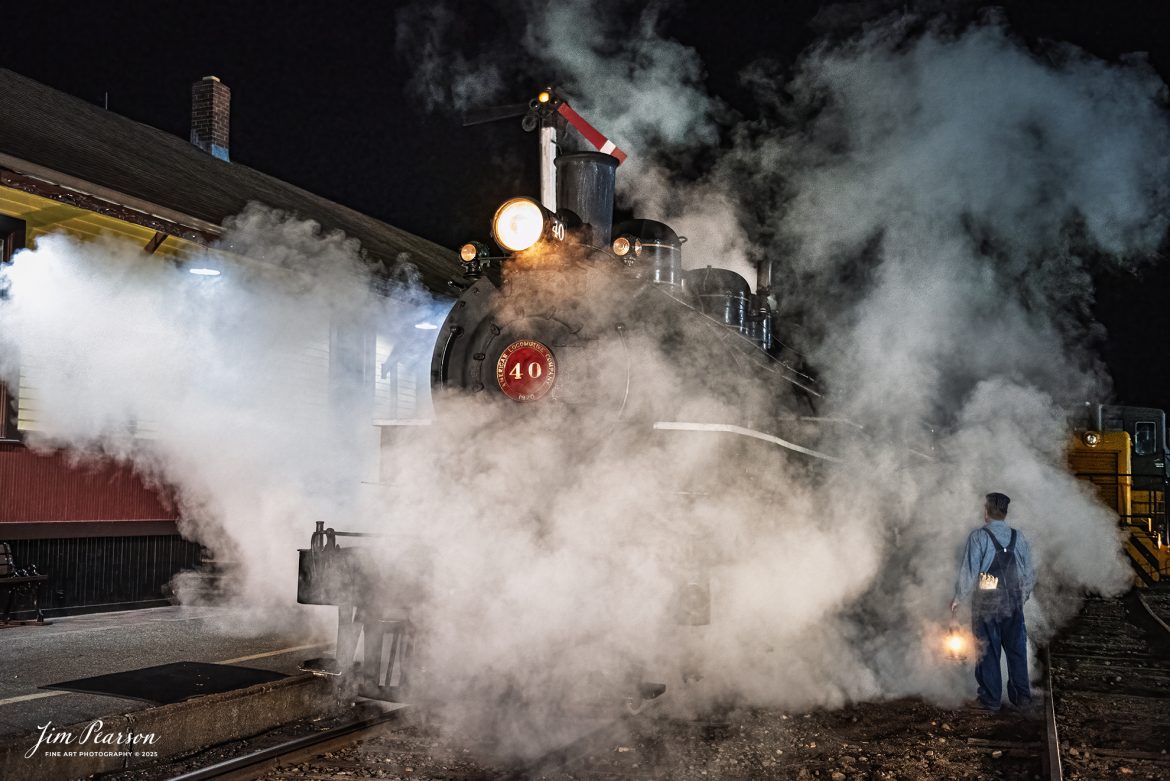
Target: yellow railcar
[(1106, 459)]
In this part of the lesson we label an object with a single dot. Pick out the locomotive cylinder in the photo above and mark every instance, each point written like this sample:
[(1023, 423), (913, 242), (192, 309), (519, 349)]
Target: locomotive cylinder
[(585, 187)]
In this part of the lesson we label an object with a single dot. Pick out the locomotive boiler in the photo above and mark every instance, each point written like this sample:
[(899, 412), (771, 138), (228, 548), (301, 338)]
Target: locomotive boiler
[(599, 332)]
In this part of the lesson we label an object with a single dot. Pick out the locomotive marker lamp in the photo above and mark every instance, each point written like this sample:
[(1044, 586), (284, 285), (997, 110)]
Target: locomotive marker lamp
[(1091, 438), (627, 245), (472, 251), (521, 222)]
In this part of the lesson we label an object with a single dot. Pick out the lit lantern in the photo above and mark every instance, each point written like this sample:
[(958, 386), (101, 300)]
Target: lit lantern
[(955, 643)]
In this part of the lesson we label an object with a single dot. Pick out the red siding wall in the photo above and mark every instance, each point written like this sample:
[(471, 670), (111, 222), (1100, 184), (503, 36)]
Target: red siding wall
[(40, 488)]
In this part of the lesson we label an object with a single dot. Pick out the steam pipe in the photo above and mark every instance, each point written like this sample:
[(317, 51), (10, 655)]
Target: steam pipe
[(764, 278)]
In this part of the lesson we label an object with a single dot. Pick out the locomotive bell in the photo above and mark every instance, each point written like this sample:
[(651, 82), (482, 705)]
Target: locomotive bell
[(585, 186)]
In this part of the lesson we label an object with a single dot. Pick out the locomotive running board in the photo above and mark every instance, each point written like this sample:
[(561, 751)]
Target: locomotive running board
[(727, 428)]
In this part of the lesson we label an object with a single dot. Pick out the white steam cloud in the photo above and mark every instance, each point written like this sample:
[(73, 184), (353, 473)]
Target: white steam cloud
[(218, 386), (938, 205), (931, 200)]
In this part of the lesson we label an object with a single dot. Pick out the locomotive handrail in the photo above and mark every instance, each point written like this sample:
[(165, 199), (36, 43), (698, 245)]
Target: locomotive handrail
[(770, 363), (727, 428)]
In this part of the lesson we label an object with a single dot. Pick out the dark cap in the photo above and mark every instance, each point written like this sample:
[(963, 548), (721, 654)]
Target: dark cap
[(997, 505)]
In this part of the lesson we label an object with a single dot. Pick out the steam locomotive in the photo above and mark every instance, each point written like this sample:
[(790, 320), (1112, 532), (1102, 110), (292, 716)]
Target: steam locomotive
[(529, 326), (598, 330)]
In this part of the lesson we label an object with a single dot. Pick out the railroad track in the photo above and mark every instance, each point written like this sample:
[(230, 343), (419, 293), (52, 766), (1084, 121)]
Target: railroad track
[(904, 739), (1109, 717), (255, 764), (391, 744), (1108, 711)]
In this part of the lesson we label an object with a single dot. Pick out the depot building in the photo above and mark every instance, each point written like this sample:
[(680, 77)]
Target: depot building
[(104, 538)]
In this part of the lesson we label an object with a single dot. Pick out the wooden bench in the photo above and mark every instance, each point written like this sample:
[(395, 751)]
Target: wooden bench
[(14, 581)]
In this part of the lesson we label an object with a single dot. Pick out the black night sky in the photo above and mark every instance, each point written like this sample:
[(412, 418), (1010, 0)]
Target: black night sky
[(319, 99)]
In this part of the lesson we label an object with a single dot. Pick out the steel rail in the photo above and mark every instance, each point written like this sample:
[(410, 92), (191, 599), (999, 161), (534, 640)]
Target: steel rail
[(1052, 763), (252, 764), (1150, 612), (1052, 767)]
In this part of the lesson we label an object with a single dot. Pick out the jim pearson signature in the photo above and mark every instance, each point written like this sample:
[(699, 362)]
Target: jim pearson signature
[(94, 734)]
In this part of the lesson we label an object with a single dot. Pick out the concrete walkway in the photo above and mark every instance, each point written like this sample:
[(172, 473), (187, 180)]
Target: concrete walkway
[(81, 646)]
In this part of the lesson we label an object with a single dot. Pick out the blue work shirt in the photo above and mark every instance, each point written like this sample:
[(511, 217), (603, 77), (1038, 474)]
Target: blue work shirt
[(979, 554)]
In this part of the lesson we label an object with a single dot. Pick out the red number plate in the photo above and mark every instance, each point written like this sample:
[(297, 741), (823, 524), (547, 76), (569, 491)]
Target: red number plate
[(526, 370)]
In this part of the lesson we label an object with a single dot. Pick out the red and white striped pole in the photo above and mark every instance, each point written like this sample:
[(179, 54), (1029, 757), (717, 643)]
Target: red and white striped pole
[(592, 134)]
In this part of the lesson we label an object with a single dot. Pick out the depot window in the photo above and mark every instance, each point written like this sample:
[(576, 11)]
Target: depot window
[(1144, 439), (11, 239)]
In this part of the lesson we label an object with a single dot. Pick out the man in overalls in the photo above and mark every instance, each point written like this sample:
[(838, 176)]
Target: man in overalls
[(997, 566)]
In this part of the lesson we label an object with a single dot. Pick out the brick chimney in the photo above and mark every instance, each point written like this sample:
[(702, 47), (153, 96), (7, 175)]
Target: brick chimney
[(211, 107)]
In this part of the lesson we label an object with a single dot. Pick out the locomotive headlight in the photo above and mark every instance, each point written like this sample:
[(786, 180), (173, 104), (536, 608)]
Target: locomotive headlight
[(520, 223), (545, 96), (1091, 438)]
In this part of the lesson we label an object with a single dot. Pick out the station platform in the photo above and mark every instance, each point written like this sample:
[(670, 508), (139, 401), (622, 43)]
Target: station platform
[(101, 644)]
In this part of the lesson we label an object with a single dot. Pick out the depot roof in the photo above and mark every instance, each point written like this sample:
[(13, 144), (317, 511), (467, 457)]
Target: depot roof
[(76, 147)]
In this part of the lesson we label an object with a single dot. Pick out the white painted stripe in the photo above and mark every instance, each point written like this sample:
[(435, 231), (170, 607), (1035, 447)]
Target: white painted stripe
[(27, 697), (608, 147), (272, 653), (57, 633), (743, 432)]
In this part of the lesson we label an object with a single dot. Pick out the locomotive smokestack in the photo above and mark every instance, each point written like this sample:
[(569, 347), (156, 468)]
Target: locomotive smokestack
[(585, 185)]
